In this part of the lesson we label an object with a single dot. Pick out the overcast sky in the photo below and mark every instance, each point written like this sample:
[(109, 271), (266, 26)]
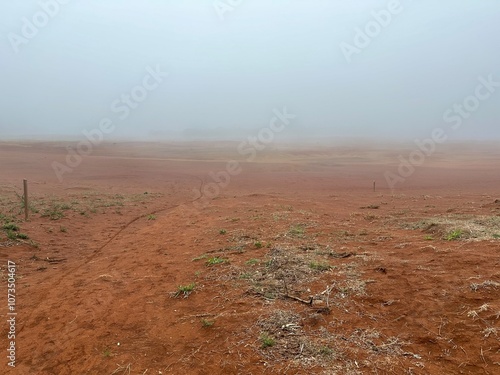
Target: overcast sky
[(230, 66)]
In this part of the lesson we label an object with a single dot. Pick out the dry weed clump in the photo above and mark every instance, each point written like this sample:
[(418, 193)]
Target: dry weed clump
[(286, 271), (487, 284), (321, 348), (291, 342), (374, 342), (459, 227)]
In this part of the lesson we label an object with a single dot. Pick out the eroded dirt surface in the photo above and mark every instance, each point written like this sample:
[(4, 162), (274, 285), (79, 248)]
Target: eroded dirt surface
[(401, 282)]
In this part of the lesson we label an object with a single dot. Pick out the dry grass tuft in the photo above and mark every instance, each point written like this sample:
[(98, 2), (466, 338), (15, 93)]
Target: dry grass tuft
[(487, 284), (286, 271), (291, 342), (460, 227)]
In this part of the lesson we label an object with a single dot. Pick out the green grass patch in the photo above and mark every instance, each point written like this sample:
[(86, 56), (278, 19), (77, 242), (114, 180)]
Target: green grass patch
[(207, 323), (252, 262), (184, 290), (267, 340), (203, 256), (54, 212), (215, 260), (10, 226), (298, 230), (454, 235)]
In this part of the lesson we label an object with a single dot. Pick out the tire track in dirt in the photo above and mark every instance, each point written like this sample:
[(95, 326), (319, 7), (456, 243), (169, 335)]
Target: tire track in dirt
[(202, 182), (99, 250)]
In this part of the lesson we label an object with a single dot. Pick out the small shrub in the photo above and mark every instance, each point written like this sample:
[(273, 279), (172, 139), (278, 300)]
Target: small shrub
[(258, 244), (151, 217)]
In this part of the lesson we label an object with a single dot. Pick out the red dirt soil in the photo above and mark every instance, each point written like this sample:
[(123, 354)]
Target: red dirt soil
[(95, 288)]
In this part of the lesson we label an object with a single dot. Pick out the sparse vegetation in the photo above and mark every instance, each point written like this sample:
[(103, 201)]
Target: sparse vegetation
[(54, 212), (309, 315), (10, 227), (487, 284), (267, 340), (370, 217), (215, 260), (297, 230), (57, 208), (11, 235), (184, 290), (454, 235), (458, 227), (319, 266), (11, 230), (207, 323), (203, 256), (371, 206), (252, 262), (107, 353)]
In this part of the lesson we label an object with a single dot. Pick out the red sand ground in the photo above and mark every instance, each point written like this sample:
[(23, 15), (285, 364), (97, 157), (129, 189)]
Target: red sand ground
[(106, 307)]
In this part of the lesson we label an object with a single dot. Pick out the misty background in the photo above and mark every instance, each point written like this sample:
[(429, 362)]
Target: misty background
[(225, 76)]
